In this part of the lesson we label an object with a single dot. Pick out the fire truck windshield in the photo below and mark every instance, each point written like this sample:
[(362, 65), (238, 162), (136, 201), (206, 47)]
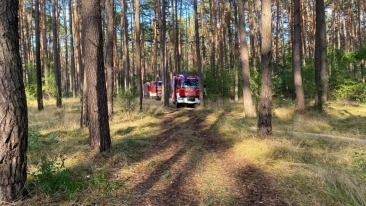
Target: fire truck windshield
[(190, 83)]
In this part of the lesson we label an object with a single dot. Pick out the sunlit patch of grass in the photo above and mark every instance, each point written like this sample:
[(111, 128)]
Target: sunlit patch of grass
[(314, 172), (211, 119), (284, 113), (254, 149), (336, 120), (344, 108), (213, 184), (310, 184)]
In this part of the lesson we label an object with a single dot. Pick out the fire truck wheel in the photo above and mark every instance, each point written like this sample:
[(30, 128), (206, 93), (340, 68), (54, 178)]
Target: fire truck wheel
[(177, 105)]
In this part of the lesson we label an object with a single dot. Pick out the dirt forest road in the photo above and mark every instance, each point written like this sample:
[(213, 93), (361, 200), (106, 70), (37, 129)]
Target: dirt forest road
[(189, 163)]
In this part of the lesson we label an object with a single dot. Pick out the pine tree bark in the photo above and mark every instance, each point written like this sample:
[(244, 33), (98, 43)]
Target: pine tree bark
[(138, 52), (26, 42), (162, 35), (38, 58), (84, 116), (56, 54), (13, 107), (109, 4), (213, 28), (249, 109), (297, 58), (252, 31), (265, 103), (278, 10), (126, 57), (78, 60), (321, 73), (99, 133), (66, 79), (198, 52), (44, 50), (72, 54)]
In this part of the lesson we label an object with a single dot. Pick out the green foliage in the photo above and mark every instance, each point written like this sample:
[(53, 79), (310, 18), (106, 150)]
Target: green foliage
[(283, 83), (340, 62), (221, 83), (31, 91), (309, 78), (359, 159), (351, 90), (35, 143), (128, 100), (50, 88), (54, 179), (255, 77), (343, 69), (102, 184), (167, 174)]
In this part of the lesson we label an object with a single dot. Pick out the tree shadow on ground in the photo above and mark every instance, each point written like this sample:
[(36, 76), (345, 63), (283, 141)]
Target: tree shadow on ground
[(253, 185), (256, 189), (180, 147), (192, 149)]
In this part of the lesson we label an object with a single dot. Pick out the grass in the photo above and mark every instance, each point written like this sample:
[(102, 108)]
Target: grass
[(301, 164)]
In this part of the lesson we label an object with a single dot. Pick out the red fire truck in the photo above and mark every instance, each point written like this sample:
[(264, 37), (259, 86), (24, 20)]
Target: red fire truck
[(185, 90), (154, 89)]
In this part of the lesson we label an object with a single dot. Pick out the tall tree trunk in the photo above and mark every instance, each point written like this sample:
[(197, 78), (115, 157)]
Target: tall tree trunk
[(265, 104), (303, 24), (156, 45), (252, 32), (230, 54), (202, 9), (44, 50), (126, 57), (99, 133), (221, 46), (175, 34), (162, 34), (13, 107), (82, 84), (236, 53), (78, 63), (138, 52), (198, 52), (66, 67), (25, 42), (249, 109), (109, 4), (277, 34), (296, 58), (72, 54), (56, 54), (291, 22), (321, 73), (38, 58), (213, 27)]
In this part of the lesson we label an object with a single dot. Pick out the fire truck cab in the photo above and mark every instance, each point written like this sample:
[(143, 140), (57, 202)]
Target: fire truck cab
[(185, 90)]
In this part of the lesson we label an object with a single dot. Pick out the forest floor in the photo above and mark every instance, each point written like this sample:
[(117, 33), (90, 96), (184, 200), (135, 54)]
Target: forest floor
[(180, 156), (196, 156)]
